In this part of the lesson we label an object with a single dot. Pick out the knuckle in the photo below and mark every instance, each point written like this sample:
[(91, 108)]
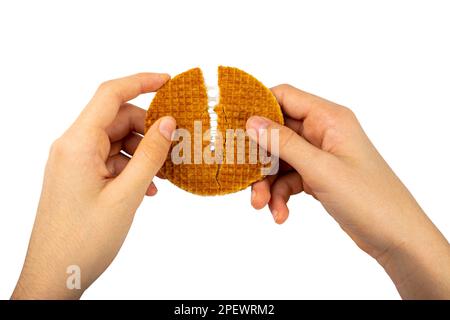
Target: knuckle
[(285, 86), (330, 120), (154, 151), (344, 118), (60, 147), (109, 88), (347, 112), (335, 117), (106, 86), (286, 138), (148, 154)]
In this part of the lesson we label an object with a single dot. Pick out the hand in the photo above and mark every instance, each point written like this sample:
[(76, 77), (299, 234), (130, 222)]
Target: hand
[(328, 155), (91, 189)]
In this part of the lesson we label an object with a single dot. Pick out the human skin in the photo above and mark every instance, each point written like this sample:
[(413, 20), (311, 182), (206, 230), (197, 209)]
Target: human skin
[(328, 155), (91, 190)]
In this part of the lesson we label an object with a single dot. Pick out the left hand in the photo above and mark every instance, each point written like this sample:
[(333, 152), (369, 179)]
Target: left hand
[(91, 189)]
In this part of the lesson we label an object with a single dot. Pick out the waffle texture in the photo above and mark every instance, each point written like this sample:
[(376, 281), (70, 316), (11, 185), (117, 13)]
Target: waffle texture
[(184, 97)]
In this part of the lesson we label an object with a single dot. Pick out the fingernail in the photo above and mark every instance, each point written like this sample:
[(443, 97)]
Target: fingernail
[(275, 215), (164, 76), (257, 123), (166, 127), (152, 190)]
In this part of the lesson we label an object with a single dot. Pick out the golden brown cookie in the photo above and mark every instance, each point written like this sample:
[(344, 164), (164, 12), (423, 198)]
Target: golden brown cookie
[(241, 96)]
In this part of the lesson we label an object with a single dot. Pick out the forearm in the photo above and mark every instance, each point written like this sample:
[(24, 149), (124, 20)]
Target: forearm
[(419, 265), (41, 286), (46, 275)]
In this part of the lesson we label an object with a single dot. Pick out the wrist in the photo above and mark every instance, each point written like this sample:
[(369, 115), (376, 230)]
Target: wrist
[(419, 265), (35, 286)]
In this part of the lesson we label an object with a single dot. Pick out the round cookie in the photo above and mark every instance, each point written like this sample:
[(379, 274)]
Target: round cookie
[(185, 98)]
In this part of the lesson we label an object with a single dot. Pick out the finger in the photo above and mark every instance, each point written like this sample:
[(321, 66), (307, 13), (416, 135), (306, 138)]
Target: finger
[(147, 159), (115, 148), (152, 190), (161, 175), (261, 192), (129, 118), (284, 142), (103, 108), (297, 103), (116, 164), (128, 145), (281, 190), (295, 125), (131, 143), (284, 166)]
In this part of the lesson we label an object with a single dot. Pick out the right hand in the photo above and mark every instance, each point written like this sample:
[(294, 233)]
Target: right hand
[(329, 156)]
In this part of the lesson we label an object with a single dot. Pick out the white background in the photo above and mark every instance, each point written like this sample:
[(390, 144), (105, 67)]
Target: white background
[(387, 60)]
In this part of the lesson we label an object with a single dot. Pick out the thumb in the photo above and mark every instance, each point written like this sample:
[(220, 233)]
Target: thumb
[(285, 143), (148, 157)]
